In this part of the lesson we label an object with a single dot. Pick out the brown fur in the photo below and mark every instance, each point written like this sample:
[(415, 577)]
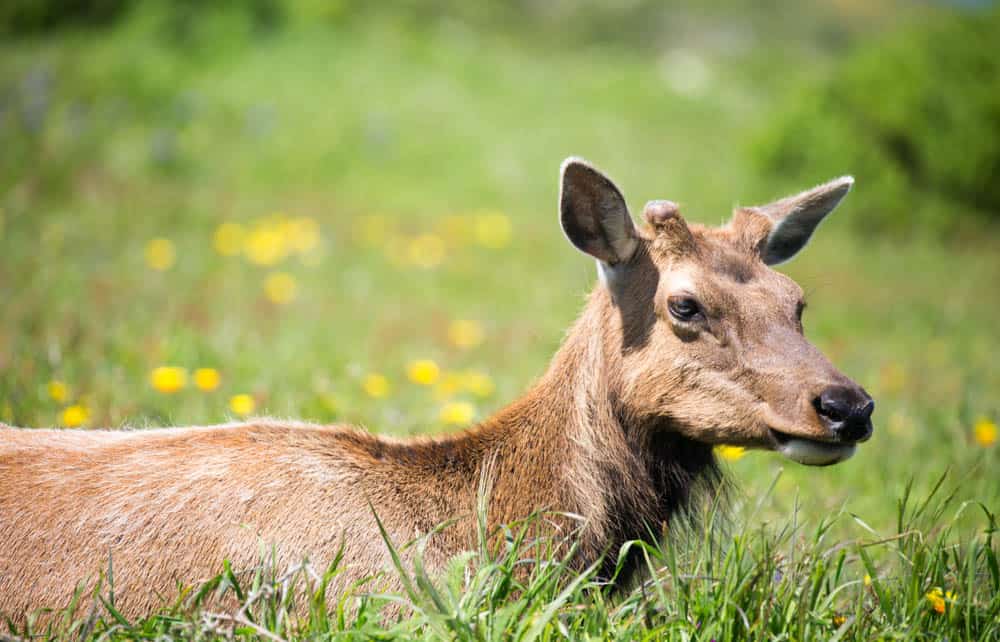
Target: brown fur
[(619, 431)]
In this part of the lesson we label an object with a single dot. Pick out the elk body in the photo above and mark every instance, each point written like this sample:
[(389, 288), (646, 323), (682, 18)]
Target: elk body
[(689, 340)]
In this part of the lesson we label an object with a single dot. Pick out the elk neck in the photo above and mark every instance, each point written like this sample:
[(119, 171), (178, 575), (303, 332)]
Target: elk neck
[(571, 444)]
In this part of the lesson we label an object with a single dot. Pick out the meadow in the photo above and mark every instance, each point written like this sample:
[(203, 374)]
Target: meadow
[(357, 223)]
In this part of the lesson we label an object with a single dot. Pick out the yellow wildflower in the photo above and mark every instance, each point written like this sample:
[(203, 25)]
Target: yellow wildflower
[(242, 404), (207, 379), (731, 453), (228, 239), (75, 415), (447, 386), (303, 234), (939, 599), (160, 254), (465, 333), (376, 385), (493, 230), (168, 379), (457, 413), (280, 288), (985, 432), (839, 620), (425, 251), (265, 245), (478, 383), (423, 371), (59, 391), (867, 580)]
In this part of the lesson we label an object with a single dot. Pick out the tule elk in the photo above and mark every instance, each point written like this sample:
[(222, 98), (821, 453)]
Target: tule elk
[(689, 340)]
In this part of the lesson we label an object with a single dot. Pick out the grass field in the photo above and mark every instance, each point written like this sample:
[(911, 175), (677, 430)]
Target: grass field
[(309, 215)]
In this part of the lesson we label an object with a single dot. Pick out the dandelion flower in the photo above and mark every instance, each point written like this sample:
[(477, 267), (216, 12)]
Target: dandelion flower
[(58, 391), (303, 235), (168, 379), (423, 372), (465, 333), (457, 413), (939, 599), (985, 432), (867, 580), (280, 288), (75, 415), (425, 251), (478, 383), (731, 453), (838, 620), (265, 245), (242, 404), (228, 239), (493, 230), (207, 379), (160, 254), (376, 385)]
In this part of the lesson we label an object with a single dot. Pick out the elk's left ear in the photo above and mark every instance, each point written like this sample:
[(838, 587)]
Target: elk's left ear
[(593, 213), (795, 218)]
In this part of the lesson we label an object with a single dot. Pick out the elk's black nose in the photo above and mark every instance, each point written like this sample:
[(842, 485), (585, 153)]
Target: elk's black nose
[(846, 411)]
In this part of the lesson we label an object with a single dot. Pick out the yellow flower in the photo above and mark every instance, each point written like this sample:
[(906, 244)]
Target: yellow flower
[(265, 245), (425, 251), (160, 254), (168, 379), (303, 234), (280, 288), (457, 413), (939, 599), (76, 415), (731, 453), (423, 371), (465, 333), (493, 230), (242, 404), (447, 386), (59, 391), (985, 432), (867, 580), (839, 620), (478, 383), (376, 385), (207, 379), (228, 239)]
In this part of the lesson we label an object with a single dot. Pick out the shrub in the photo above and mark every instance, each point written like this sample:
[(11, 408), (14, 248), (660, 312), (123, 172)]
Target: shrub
[(915, 117)]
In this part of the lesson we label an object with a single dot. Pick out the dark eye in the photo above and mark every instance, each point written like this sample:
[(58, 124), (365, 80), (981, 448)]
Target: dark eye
[(684, 308)]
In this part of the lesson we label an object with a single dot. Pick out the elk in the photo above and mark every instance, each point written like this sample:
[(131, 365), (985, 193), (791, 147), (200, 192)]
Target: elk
[(689, 339)]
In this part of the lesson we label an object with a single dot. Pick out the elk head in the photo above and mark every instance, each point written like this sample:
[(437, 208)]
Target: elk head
[(707, 338)]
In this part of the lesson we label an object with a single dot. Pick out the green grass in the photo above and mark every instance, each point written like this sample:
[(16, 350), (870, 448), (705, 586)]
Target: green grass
[(428, 128)]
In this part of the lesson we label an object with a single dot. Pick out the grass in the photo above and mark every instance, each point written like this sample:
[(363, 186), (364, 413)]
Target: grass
[(412, 151)]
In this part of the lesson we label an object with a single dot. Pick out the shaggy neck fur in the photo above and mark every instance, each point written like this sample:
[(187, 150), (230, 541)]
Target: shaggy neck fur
[(571, 444)]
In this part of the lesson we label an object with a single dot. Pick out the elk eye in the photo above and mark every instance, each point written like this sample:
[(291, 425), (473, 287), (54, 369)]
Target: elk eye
[(684, 308)]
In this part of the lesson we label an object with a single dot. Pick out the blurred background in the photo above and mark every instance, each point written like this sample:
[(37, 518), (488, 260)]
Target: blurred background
[(346, 211)]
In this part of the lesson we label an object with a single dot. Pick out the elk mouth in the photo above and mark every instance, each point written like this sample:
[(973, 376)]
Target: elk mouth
[(811, 452)]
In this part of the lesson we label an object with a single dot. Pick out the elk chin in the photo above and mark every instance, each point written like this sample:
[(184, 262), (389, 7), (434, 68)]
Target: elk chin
[(811, 452)]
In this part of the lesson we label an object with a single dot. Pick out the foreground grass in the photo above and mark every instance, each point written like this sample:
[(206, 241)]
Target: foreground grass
[(389, 182), (784, 582)]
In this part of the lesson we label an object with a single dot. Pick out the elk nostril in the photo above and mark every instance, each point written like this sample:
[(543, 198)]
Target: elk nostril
[(846, 411), (832, 406)]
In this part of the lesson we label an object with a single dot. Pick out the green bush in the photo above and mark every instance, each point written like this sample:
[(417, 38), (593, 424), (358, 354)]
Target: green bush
[(916, 118)]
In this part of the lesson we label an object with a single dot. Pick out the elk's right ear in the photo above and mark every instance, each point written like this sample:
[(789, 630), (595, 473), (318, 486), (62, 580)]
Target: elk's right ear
[(593, 213)]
